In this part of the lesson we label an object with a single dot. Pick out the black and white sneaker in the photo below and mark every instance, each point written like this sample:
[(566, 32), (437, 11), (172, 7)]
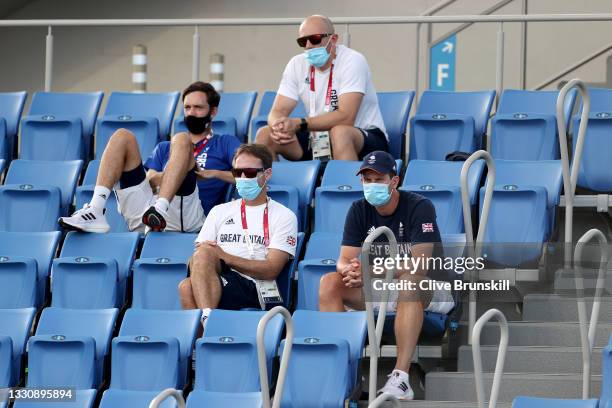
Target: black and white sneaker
[(398, 385), (154, 219), (87, 219)]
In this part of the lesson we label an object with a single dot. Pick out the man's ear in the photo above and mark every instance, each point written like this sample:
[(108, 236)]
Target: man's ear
[(213, 111), (395, 182)]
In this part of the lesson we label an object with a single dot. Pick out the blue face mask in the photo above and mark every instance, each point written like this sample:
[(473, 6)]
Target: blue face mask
[(248, 188), (317, 56), (376, 194)]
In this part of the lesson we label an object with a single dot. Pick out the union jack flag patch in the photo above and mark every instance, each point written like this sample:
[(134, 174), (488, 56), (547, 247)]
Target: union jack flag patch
[(291, 240), (427, 227)]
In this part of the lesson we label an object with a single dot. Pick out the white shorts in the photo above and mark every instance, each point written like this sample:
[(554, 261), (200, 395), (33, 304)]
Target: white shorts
[(185, 214), (441, 302)]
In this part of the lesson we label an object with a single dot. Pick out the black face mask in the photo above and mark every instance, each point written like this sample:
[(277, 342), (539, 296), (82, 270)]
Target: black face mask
[(197, 125)]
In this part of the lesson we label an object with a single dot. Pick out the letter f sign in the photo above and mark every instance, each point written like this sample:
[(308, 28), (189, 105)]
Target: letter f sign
[(442, 74)]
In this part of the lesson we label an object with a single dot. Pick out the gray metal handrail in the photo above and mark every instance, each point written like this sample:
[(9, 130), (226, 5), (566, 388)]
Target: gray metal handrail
[(261, 356), (467, 216), (382, 398), (375, 330), (167, 393), (501, 357), (570, 179), (587, 337)]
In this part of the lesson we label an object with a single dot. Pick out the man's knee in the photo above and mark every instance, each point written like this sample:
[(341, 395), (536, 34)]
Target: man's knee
[(341, 135), (330, 286), (184, 288), (263, 135), (203, 257), (180, 139), (124, 135)]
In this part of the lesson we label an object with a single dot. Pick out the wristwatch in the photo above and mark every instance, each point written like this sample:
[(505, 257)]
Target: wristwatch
[(303, 125)]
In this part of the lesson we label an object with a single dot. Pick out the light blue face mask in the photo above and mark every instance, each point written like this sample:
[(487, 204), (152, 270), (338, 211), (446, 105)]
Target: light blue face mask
[(376, 194), (317, 56), (248, 188)]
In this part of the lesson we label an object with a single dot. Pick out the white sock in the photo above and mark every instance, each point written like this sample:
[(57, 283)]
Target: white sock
[(205, 313), (402, 374), (100, 195), (162, 205)]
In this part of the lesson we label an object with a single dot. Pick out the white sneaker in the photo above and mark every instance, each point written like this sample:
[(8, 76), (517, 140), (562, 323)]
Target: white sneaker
[(398, 385), (87, 219)]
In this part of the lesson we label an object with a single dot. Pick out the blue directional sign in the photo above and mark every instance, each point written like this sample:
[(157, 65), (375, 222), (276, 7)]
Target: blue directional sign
[(442, 65)]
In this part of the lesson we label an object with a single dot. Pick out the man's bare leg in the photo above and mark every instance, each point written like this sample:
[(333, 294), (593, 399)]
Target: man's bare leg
[(334, 295), (186, 294), (347, 142), (205, 268), (180, 163), (290, 151)]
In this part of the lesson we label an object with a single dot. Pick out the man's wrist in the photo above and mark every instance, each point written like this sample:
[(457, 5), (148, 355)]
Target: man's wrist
[(303, 125)]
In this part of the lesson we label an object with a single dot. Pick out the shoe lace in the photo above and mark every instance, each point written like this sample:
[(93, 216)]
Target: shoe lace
[(394, 380)]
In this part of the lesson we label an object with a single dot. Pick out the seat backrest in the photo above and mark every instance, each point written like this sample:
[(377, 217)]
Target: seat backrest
[(120, 246), (341, 172), (98, 323), (431, 173), (545, 173), (323, 245), (11, 107), (16, 324), (301, 174), (83, 105), (41, 246), (601, 101), (175, 245), (63, 174), (476, 104), (514, 101), (265, 104), (238, 105), (157, 105), (91, 174), (395, 108), (2, 166), (606, 371)]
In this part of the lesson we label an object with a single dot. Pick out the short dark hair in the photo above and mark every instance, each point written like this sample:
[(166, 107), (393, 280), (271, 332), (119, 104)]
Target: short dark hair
[(257, 150), (212, 96)]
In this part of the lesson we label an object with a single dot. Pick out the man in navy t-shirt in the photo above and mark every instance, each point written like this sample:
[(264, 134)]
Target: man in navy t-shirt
[(412, 219)]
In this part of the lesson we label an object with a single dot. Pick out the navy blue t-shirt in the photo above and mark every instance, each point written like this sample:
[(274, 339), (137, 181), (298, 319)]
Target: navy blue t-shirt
[(414, 221), (217, 155)]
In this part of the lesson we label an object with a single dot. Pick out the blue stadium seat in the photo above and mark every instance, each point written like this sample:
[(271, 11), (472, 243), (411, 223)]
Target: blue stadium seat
[(289, 178), (265, 106), (340, 186), (449, 121), (395, 108), (85, 192), (594, 173), (322, 251), (209, 399), (59, 126), (153, 349), (523, 208), (229, 346), (113, 398), (82, 399), (89, 251), (36, 193), (11, 107), (147, 115), (286, 276), (162, 265), (18, 279), (15, 326), (20, 252), (233, 116), (325, 357), (440, 181), (81, 336), (525, 125), (2, 167)]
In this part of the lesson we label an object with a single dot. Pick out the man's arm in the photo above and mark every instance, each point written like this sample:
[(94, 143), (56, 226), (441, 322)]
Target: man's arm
[(349, 266), (422, 251), (223, 175), (348, 106), (281, 108), (155, 178), (267, 269)]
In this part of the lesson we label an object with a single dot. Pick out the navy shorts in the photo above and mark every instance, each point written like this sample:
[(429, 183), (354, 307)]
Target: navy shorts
[(373, 139), (237, 292)]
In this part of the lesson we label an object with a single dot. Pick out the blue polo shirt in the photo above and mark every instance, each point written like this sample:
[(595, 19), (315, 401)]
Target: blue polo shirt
[(217, 155)]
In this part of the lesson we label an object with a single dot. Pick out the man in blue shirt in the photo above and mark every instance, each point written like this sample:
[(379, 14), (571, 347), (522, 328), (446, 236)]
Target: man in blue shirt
[(176, 185)]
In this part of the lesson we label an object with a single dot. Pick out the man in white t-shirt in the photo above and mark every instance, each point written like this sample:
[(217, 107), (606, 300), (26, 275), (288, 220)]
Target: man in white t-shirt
[(243, 245), (335, 85)]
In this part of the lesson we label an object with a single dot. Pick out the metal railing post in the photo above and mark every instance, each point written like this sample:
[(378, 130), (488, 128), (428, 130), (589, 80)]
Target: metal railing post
[(261, 356), (375, 330), (162, 396), (347, 35), (570, 179), (523, 62), (501, 357), (474, 249), (499, 67), (587, 337), (48, 60), (382, 398), (417, 65), (195, 63)]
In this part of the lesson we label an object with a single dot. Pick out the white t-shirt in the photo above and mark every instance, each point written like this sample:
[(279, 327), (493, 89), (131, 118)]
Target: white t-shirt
[(224, 226), (351, 74)]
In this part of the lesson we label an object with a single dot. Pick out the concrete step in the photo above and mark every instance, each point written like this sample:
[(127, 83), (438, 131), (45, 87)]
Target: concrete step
[(435, 404), (563, 334), (447, 386), (565, 281), (556, 308), (521, 359)]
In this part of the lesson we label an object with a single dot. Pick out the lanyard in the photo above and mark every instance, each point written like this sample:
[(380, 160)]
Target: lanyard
[(312, 89), (198, 150), (245, 228)]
